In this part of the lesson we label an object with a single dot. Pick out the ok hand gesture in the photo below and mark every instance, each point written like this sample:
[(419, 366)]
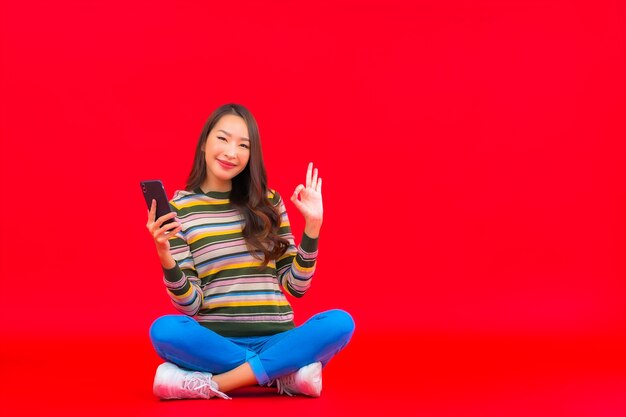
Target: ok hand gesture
[(308, 199)]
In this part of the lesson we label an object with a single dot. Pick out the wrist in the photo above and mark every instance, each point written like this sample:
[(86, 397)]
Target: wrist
[(167, 261), (312, 229)]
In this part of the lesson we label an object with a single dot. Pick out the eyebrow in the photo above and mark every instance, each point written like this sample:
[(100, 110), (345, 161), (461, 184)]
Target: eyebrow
[(228, 134)]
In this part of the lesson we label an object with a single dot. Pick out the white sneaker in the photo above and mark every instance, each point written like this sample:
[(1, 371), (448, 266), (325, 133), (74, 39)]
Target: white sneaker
[(306, 380), (172, 382)]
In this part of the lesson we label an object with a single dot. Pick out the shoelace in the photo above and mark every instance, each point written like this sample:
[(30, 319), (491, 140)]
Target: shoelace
[(286, 382), (197, 381)]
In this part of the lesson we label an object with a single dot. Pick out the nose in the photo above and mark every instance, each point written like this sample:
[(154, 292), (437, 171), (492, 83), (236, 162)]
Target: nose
[(231, 151)]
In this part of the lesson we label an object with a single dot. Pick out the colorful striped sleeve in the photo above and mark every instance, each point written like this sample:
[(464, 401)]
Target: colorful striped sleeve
[(295, 268), (181, 281)]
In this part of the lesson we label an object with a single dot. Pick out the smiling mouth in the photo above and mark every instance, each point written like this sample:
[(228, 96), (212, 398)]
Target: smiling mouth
[(225, 164)]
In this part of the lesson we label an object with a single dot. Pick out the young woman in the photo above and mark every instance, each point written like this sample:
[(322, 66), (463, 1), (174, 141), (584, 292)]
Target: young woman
[(225, 259)]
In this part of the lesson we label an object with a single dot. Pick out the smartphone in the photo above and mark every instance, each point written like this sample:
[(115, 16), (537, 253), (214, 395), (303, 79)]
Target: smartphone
[(154, 189)]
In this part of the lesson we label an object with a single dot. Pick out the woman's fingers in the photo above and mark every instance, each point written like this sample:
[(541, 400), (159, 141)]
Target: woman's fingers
[(168, 231), (170, 225), (309, 172), (297, 191), (314, 180), (164, 218), (154, 226), (172, 233), (165, 237), (319, 186), (151, 212)]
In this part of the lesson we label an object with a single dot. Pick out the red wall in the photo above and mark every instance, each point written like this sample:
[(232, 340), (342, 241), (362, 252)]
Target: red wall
[(473, 155)]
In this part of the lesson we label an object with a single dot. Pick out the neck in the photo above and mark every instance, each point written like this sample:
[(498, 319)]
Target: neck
[(216, 185)]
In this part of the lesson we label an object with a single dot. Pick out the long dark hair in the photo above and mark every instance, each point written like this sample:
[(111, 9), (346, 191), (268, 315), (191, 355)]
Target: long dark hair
[(249, 188)]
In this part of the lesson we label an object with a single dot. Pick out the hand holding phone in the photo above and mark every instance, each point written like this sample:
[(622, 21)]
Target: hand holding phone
[(161, 223), (154, 190)]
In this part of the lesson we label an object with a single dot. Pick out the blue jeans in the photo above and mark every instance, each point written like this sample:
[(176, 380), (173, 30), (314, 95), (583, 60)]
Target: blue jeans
[(182, 340)]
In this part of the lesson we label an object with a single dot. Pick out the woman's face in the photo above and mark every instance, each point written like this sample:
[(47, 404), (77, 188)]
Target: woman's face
[(226, 152)]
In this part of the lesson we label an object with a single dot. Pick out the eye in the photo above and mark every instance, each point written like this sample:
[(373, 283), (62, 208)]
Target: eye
[(245, 146), (221, 138)]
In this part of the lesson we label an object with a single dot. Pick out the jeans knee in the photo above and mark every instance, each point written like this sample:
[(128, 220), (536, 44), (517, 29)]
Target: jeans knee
[(343, 323), (162, 328)]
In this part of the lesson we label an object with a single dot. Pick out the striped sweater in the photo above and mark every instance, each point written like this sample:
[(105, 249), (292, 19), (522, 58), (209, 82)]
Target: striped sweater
[(216, 279)]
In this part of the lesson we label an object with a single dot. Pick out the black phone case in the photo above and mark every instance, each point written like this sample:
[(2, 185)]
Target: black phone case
[(154, 189)]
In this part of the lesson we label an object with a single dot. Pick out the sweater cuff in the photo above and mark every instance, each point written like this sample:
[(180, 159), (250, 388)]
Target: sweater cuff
[(308, 244), (174, 274)]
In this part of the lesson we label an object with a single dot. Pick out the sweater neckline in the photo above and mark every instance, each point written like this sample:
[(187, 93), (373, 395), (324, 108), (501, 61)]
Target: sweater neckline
[(214, 194)]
